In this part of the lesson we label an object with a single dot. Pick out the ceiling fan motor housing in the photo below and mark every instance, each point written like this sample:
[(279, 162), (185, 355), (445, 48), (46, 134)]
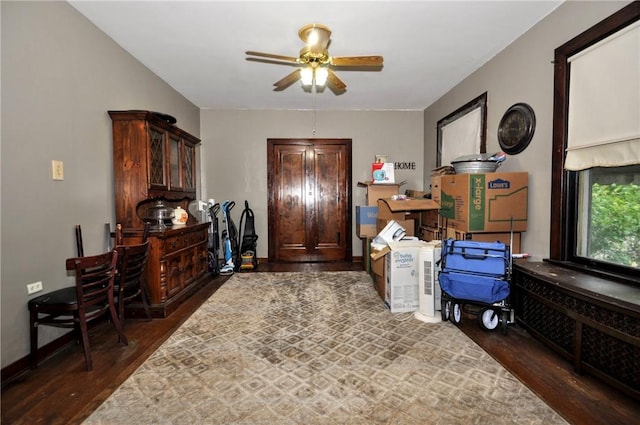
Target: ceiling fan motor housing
[(316, 37)]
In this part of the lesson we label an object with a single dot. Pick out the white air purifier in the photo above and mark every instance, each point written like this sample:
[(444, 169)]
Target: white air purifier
[(429, 291)]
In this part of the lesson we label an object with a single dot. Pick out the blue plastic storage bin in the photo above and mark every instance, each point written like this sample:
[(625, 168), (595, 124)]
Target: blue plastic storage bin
[(490, 258), (470, 287)]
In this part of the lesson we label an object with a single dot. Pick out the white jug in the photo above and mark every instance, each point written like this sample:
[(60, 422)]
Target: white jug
[(180, 216)]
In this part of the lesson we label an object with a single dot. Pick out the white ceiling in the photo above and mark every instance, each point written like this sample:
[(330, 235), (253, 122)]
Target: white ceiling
[(198, 47)]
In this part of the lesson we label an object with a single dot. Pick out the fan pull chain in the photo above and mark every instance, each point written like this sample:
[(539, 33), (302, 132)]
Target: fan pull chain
[(313, 129)]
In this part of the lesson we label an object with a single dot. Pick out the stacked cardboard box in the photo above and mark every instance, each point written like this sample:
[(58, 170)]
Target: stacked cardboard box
[(406, 212), (367, 215), (491, 202), (479, 207), (430, 233), (395, 274), (366, 220), (377, 191), (436, 184)]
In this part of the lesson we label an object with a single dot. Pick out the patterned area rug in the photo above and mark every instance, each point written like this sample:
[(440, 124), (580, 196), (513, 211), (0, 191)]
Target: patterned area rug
[(317, 348)]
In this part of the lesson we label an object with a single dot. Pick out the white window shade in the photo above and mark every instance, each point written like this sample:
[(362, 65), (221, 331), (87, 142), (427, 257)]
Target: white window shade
[(462, 136), (604, 103)]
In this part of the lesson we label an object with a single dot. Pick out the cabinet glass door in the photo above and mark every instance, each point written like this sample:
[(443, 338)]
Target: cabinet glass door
[(188, 166), (157, 175), (175, 161)]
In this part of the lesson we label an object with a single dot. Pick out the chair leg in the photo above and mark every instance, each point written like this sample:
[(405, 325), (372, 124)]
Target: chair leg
[(79, 243), (145, 300), (33, 332), (84, 331), (116, 322), (121, 305)]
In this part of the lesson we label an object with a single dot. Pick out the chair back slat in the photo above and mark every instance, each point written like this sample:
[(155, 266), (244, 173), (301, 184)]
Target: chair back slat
[(133, 260), (94, 278)]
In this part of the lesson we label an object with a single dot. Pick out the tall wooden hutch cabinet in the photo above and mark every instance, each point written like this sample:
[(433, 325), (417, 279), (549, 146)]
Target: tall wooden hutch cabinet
[(153, 160)]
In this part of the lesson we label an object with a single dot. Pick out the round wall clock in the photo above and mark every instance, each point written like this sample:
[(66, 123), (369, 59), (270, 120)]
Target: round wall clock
[(516, 128)]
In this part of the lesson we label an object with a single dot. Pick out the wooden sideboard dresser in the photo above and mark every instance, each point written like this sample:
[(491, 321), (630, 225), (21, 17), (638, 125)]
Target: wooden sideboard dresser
[(154, 160)]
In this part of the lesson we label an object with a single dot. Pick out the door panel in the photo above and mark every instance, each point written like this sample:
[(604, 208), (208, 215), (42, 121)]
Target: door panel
[(309, 199), (290, 191), (328, 211)]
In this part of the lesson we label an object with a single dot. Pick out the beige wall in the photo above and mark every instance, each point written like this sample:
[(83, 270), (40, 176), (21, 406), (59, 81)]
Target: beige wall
[(523, 72), (234, 151), (60, 76)]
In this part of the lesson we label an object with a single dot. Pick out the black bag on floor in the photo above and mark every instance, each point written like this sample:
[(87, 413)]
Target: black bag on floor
[(247, 259)]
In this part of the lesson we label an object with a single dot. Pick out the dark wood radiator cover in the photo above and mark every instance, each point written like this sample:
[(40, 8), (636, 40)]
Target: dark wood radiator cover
[(593, 322)]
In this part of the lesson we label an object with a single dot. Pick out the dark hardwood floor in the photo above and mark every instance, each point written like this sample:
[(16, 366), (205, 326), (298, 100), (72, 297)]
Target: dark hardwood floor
[(61, 391)]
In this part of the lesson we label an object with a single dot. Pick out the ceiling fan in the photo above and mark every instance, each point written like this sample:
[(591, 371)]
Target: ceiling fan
[(315, 66)]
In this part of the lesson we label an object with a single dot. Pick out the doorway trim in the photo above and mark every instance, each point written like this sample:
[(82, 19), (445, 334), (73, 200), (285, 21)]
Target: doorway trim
[(346, 198)]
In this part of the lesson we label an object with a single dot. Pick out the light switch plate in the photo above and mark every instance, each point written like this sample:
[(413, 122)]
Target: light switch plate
[(57, 170)]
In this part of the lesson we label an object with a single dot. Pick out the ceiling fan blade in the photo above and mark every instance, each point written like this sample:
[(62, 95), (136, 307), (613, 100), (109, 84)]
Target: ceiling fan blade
[(362, 61), (272, 56), (271, 61), (287, 81), (335, 83)]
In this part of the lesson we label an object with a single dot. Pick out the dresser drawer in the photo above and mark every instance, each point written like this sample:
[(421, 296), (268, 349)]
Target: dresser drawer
[(174, 243), (195, 237), (184, 239)]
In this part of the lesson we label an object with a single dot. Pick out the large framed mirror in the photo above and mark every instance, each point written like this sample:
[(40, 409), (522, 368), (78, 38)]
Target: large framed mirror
[(463, 132)]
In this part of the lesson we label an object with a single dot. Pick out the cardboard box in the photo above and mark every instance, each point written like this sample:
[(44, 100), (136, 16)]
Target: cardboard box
[(366, 255), (504, 237), (366, 221), (401, 283), (427, 233), (404, 209), (430, 218), (408, 225), (378, 273), (485, 202), (412, 193), (380, 190), (436, 182)]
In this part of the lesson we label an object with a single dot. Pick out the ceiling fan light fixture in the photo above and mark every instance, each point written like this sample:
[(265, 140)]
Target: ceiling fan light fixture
[(306, 76), (321, 76)]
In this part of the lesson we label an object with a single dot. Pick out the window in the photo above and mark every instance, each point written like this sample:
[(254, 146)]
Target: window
[(608, 220), (463, 132), (595, 203)]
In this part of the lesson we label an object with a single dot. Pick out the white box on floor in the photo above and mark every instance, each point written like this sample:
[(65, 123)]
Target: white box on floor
[(401, 289)]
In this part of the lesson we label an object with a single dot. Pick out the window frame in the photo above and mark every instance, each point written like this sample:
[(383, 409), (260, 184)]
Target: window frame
[(564, 184), (479, 102)]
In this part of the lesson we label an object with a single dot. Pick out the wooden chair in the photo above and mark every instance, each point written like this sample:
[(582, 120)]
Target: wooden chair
[(130, 283), (132, 261), (76, 306)]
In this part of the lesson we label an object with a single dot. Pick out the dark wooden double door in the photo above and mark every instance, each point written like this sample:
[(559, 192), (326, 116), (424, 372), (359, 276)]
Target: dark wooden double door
[(309, 185)]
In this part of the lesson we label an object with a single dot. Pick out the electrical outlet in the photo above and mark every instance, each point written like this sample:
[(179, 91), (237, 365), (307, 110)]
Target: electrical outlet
[(34, 287), (57, 170)]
